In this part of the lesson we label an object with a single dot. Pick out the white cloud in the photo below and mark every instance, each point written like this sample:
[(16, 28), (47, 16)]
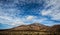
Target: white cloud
[(44, 12), (54, 11), (40, 20), (51, 24), (11, 21), (56, 16), (6, 17), (30, 17), (16, 23), (8, 12)]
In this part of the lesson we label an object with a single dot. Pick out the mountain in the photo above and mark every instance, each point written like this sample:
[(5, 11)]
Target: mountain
[(36, 27), (55, 28), (33, 27)]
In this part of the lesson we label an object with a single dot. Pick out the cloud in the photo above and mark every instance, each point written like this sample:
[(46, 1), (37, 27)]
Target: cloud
[(30, 17), (56, 16), (40, 20), (53, 11), (17, 23), (17, 12), (44, 12), (6, 17), (11, 21), (9, 12)]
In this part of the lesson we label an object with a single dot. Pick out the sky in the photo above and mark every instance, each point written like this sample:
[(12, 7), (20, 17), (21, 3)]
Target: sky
[(22, 12)]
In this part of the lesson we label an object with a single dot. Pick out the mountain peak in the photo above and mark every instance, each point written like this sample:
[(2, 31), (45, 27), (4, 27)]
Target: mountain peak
[(38, 24)]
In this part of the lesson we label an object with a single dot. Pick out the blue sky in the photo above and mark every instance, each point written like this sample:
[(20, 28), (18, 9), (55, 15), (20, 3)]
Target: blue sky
[(22, 12)]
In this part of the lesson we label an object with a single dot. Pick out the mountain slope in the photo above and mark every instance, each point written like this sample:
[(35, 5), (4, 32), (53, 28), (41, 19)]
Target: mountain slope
[(55, 28), (34, 26)]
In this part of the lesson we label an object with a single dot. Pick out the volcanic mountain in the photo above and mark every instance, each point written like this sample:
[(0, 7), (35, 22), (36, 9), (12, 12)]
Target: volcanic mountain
[(35, 27), (55, 28), (32, 27)]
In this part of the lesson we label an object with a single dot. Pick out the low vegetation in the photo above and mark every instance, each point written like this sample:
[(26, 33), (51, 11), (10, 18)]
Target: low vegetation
[(33, 29)]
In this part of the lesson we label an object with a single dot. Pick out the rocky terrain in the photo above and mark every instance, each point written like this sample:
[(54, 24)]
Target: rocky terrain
[(34, 28)]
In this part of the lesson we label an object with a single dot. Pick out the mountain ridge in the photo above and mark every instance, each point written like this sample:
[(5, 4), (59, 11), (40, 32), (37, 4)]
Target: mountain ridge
[(35, 27)]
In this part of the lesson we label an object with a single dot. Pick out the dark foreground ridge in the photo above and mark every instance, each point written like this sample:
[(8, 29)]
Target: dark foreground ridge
[(35, 28)]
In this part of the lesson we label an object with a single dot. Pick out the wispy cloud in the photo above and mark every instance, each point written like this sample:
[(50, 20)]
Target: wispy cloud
[(54, 11), (30, 18), (19, 12)]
